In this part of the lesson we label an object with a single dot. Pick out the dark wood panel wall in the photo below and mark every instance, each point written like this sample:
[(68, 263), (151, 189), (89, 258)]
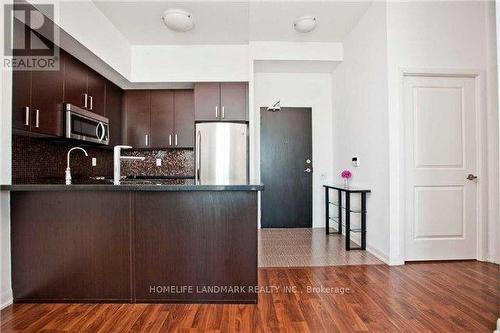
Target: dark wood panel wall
[(127, 246)]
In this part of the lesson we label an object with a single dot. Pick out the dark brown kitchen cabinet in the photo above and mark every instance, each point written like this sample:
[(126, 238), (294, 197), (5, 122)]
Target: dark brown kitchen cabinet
[(225, 101), (184, 118), (180, 241), (137, 118), (207, 101), (96, 90), (37, 99), (114, 113), (233, 101), (162, 118), (21, 100), (75, 81), (83, 87), (159, 118), (71, 246)]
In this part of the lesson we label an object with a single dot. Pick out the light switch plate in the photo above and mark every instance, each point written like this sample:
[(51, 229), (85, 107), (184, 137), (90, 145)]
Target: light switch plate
[(94, 161), (158, 162), (355, 161)]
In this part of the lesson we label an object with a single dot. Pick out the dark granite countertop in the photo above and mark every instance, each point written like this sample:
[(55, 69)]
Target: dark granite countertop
[(129, 187)]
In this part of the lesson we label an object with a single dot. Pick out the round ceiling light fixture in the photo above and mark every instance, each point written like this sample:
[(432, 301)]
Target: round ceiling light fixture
[(178, 20), (304, 23)]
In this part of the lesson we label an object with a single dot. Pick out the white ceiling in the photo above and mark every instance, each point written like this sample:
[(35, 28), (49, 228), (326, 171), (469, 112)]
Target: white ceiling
[(231, 22)]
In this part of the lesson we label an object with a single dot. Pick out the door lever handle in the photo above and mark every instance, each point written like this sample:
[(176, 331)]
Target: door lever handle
[(471, 177), (308, 170)]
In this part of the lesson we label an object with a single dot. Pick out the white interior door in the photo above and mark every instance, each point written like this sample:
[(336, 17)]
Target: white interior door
[(440, 150)]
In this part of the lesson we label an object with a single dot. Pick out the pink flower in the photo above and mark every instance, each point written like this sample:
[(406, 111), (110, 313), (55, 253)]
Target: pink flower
[(346, 174)]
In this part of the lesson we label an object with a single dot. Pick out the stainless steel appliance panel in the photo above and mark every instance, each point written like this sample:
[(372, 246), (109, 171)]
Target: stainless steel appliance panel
[(84, 125), (221, 153)]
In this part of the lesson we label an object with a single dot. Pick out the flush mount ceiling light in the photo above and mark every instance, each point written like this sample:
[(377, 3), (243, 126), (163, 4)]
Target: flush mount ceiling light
[(178, 20), (304, 23)]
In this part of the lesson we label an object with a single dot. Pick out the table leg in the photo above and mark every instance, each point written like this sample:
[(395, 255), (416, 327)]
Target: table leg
[(340, 214), (327, 211), (363, 221), (347, 221)]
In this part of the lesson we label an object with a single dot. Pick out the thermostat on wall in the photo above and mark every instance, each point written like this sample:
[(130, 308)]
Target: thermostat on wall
[(355, 161)]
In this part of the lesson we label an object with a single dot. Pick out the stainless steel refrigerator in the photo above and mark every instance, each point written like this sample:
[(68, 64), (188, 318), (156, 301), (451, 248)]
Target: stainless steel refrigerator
[(221, 153)]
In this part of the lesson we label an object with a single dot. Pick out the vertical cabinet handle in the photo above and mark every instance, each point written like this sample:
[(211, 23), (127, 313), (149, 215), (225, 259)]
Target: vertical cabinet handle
[(37, 118), (147, 140), (216, 112), (170, 139), (91, 101), (27, 116), (175, 140), (223, 113), (85, 98)]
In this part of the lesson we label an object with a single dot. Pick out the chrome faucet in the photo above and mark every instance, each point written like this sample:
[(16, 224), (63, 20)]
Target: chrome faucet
[(117, 157), (68, 169)]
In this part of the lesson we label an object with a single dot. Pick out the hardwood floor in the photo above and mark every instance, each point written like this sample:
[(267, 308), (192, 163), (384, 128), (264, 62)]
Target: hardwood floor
[(420, 297)]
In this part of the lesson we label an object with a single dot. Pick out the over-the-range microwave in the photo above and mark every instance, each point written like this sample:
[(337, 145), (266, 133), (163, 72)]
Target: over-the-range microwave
[(84, 125)]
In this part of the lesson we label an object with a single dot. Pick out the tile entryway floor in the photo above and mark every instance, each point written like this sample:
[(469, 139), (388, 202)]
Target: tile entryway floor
[(307, 247)]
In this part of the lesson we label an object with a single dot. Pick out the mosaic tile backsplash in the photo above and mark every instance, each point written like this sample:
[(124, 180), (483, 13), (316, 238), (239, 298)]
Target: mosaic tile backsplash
[(174, 162), (40, 161)]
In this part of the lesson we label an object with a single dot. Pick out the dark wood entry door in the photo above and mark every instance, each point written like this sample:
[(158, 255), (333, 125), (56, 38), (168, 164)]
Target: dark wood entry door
[(286, 168)]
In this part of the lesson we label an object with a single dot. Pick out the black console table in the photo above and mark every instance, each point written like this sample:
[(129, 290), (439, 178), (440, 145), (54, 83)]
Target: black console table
[(347, 207)]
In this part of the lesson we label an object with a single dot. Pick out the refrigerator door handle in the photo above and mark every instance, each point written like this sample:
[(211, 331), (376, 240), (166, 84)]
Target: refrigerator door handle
[(198, 157)]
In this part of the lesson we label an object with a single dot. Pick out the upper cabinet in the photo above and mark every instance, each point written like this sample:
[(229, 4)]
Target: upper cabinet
[(184, 118), (37, 98), (137, 106), (227, 101), (159, 118), (114, 113), (162, 118), (96, 90), (83, 87)]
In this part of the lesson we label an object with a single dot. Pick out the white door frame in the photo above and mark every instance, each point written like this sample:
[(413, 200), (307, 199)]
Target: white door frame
[(482, 189)]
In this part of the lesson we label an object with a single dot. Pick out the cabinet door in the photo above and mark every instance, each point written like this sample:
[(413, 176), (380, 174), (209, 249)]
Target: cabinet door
[(47, 99), (162, 118), (78, 249), (21, 99), (233, 97), (137, 106), (207, 101), (21, 86), (97, 92), (114, 113), (184, 118), (75, 81)]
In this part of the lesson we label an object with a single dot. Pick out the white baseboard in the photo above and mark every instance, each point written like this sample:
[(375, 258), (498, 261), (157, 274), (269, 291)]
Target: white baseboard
[(356, 238), (6, 299), (379, 254)]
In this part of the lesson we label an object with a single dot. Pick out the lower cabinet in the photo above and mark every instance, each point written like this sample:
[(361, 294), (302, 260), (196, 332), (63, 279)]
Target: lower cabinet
[(70, 246), (126, 246), (188, 244)]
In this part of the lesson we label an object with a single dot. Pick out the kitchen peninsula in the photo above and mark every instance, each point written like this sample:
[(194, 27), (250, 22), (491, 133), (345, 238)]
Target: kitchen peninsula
[(134, 243)]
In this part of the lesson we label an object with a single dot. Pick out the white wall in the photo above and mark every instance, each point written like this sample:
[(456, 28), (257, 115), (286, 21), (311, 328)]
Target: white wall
[(360, 120), (493, 138), (311, 51), (496, 240), (189, 63), (300, 90), (5, 176), (444, 37)]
